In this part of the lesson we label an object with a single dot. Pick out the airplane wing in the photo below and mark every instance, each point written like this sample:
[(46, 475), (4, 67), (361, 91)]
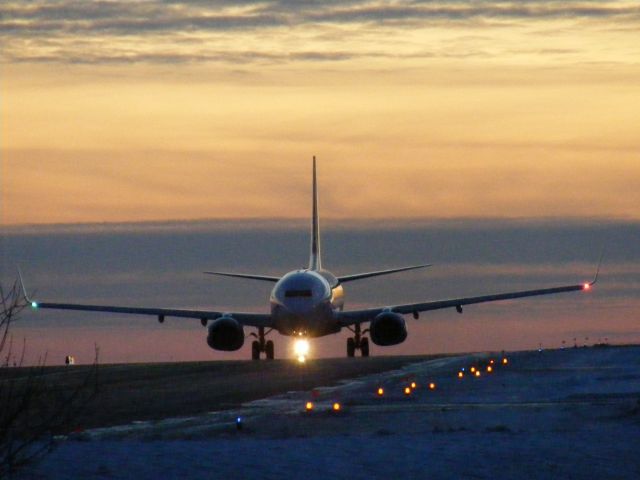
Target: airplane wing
[(361, 316), (248, 319)]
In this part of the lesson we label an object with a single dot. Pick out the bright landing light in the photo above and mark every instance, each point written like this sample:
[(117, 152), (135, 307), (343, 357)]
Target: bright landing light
[(301, 349)]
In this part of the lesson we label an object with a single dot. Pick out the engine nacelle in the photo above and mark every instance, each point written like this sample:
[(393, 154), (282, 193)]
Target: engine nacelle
[(226, 334), (388, 328)]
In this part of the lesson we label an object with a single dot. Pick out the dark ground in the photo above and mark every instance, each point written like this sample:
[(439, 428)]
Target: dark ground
[(129, 392)]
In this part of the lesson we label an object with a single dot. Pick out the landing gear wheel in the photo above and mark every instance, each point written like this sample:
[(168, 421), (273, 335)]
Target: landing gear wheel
[(268, 348), (255, 350), (351, 347), (364, 347)]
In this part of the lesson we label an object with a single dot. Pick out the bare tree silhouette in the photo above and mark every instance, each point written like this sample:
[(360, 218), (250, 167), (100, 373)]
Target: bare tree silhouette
[(33, 409)]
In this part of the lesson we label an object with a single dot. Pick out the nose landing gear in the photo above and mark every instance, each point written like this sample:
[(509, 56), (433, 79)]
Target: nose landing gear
[(358, 342), (260, 345)]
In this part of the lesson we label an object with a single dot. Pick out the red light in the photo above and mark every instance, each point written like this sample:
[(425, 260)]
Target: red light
[(586, 286)]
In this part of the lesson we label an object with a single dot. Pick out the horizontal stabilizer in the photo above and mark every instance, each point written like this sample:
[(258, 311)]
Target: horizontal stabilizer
[(264, 278), (358, 276)]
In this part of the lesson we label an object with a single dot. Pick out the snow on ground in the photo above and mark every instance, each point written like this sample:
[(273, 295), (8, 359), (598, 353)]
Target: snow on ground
[(572, 413)]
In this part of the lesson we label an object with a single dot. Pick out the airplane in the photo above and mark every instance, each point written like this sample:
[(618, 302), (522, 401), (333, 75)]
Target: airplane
[(308, 303)]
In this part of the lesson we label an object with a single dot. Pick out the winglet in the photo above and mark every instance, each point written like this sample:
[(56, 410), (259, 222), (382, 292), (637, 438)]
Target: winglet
[(595, 279), (24, 290)]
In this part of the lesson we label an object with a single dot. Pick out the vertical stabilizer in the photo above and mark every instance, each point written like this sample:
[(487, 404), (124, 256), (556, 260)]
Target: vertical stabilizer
[(314, 259)]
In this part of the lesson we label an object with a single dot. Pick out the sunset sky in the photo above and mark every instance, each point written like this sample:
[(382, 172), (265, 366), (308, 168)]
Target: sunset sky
[(126, 111), (122, 112)]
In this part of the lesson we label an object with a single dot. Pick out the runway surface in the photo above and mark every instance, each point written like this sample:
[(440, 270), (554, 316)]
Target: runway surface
[(571, 413), (136, 392)]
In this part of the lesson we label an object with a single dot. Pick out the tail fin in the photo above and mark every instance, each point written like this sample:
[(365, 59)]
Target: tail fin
[(315, 262)]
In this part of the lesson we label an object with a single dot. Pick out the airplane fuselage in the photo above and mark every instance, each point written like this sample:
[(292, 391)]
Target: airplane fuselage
[(303, 303)]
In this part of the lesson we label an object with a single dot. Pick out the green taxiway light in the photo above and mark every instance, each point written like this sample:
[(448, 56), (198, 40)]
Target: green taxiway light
[(34, 305)]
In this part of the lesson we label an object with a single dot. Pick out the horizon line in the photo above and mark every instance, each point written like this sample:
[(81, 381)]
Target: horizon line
[(301, 221)]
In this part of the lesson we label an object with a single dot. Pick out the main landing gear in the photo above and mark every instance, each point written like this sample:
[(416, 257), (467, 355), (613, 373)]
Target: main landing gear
[(357, 342), (260, 345)]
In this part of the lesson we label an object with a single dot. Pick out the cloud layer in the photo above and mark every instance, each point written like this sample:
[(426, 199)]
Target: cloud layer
[(276, 32)]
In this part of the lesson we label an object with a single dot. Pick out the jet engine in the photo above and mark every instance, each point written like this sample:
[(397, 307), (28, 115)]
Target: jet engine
[(226, 334), (388, 328)]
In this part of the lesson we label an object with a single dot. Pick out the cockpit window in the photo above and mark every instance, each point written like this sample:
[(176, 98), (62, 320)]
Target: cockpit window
[(297, 293)]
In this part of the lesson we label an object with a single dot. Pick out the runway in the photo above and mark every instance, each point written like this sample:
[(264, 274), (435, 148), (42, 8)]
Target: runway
[(572, 413), (138, 392)]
